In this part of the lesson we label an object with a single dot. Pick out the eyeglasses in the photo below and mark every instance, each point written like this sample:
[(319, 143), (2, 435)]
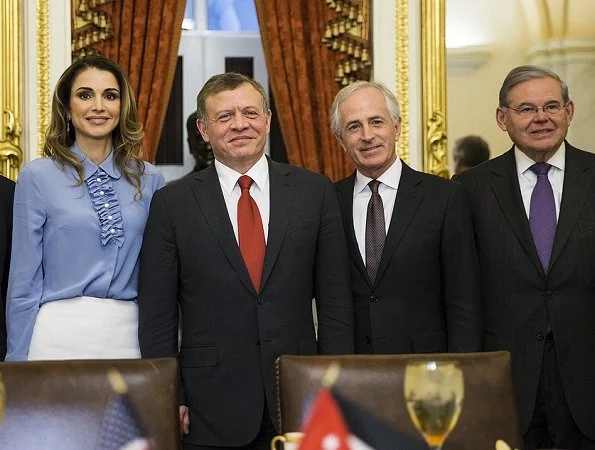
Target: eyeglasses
[(530, 111)]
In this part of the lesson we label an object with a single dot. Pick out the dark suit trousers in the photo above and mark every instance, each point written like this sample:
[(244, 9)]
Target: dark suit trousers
[(261, 442), (552, 424)]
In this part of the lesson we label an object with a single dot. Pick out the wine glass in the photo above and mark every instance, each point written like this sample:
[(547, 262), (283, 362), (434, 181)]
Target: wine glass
[(434, 392)]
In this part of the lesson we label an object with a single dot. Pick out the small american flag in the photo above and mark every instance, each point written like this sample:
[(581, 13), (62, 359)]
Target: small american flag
[(121, 429)]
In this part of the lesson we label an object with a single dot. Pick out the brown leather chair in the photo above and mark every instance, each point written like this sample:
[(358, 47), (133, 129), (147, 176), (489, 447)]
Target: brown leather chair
[(62, 404), (375, 383)]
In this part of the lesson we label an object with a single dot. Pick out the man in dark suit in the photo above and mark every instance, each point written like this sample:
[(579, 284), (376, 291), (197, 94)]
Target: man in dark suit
[(241, 305), (534, 217), (6, 199), (414, 278)]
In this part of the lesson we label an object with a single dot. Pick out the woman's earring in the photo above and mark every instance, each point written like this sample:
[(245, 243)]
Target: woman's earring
[(68, 127)]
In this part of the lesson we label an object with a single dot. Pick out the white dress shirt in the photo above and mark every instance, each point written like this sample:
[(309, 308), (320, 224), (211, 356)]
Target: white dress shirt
[(528, 179), (389, 183), (260, 192)]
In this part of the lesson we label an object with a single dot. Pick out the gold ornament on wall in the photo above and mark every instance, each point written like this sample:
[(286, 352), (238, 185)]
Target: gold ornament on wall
[(435, 151), (436, 157), (11, 94), (43, 77), (402, 63), (90, 26), (349, 33)]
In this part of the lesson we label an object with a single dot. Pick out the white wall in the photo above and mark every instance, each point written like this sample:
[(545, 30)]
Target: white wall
[(472, 98)]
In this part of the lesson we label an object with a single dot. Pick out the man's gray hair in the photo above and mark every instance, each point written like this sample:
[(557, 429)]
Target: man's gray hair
[(525, 73), (391, 102)]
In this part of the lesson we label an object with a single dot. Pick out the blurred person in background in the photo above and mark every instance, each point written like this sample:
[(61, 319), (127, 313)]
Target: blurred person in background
[(468, 152)]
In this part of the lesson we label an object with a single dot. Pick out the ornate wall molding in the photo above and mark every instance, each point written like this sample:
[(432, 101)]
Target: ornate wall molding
[(574, 60), (402, 50), (466, 60), (43, 73), (562, 51), (11, 88), (435, 153)]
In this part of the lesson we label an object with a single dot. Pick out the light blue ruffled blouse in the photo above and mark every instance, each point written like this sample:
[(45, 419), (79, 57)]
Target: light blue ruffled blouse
[(71, 241)]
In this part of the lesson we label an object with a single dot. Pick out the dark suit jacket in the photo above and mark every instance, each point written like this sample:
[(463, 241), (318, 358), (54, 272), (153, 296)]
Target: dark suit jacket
[(426, 295), (518, 295), (6, 199), (232, 335)]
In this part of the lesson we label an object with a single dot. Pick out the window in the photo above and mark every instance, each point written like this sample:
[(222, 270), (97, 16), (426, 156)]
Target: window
[(221, 15), (189, 23)]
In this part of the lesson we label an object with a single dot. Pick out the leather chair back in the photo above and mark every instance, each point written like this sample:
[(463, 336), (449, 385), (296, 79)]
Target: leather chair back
[(375, 383), (62, 404)]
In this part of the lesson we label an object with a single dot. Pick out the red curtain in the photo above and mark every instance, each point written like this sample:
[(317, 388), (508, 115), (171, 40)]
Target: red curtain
[(302, 76), (146, 36)]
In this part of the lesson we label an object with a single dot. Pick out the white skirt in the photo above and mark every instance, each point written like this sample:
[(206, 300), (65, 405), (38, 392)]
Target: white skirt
[(85, 328)]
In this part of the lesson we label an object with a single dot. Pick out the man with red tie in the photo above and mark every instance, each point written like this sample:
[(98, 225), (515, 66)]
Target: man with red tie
[(241, 248)]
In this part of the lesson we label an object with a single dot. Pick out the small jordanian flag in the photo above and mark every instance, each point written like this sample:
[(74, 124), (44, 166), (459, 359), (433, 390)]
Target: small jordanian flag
[(335, 423)]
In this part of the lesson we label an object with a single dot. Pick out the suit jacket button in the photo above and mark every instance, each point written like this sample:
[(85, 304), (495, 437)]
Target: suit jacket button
[(548, 294), (540, 336), (367, 339), (373, 299), (260, 300), (257, 344)]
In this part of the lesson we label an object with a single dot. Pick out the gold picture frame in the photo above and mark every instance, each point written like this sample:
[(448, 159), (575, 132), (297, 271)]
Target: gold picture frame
[(402, 55), (43, 73), (433, 82), (11, 87), (435, 150)]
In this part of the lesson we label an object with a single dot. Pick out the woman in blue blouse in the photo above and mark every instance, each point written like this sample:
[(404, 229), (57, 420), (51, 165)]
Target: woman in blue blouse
[(79, 218)]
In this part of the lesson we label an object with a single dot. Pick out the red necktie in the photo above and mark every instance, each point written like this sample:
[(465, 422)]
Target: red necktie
[(250, 232)]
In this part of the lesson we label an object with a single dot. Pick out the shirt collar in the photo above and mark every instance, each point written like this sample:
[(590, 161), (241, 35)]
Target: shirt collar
[(90, 167), (390, 177), (228, 177), (523, 162)]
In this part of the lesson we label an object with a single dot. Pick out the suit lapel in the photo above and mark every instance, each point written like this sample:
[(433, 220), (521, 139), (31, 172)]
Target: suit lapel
[(345, 188), (406, 203), (207, 190), (576, 186), (281, 182), (505, 185)]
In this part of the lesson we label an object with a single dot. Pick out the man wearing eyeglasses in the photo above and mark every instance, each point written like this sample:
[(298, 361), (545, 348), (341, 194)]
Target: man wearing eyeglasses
[(534, 218)]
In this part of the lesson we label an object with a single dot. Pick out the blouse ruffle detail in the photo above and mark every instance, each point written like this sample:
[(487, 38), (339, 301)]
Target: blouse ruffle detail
[(107, 207)]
